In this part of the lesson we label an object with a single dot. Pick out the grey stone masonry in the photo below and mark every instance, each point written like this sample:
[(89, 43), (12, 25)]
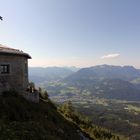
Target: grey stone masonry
[(14, 72)]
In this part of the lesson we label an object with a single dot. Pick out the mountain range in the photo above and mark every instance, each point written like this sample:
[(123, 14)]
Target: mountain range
[(48, 74), (105, 81)]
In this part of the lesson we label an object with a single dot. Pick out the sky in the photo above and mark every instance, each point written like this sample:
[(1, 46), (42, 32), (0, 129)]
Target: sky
[(78, 33)]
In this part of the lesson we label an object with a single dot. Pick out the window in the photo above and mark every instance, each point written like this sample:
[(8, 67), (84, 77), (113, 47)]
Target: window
[(5, 69)]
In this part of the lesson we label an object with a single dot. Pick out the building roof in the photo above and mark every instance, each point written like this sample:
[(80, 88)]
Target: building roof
[(7, 50)]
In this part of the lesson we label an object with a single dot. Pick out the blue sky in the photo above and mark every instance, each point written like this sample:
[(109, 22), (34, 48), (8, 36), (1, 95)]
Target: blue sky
[(73, 32)]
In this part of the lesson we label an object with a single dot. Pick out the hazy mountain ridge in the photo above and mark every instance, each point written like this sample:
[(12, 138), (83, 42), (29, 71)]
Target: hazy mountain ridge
[(108, 81), (40, 74), (114, 82), (126, 73)]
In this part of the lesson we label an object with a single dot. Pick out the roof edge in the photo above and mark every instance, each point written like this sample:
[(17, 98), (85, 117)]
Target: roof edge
[(12, 51)]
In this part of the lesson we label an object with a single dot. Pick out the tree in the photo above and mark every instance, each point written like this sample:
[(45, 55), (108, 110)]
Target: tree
[(67, 108), (43, 93)]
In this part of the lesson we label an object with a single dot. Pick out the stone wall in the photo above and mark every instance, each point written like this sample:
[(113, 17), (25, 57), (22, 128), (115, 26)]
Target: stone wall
[(18, 77), (33, 97)]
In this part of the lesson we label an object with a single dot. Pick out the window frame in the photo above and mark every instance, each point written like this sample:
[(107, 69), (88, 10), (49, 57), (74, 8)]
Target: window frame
[(4, 68)]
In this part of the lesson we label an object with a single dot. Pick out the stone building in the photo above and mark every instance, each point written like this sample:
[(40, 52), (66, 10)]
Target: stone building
[(13, 69)]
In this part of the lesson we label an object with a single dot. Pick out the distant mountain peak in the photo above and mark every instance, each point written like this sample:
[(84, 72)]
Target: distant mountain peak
[(127, 73), (113, 66)]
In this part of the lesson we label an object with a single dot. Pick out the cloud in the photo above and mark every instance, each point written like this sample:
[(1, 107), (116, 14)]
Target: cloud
[(108, 56)]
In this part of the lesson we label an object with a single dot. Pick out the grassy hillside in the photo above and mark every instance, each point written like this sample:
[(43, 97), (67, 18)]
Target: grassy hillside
[(21, 119)]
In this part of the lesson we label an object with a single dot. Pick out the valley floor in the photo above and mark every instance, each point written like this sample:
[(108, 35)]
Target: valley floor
[(122, 117)]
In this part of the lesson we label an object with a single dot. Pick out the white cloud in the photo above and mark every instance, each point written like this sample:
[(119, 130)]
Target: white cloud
[(113, 55)]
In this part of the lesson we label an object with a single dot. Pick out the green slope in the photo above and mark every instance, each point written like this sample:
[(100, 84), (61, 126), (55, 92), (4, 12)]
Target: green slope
[(23, 120)]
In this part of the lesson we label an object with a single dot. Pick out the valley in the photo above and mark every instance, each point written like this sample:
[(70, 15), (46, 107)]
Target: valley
[(108, 95), (121, 117)]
